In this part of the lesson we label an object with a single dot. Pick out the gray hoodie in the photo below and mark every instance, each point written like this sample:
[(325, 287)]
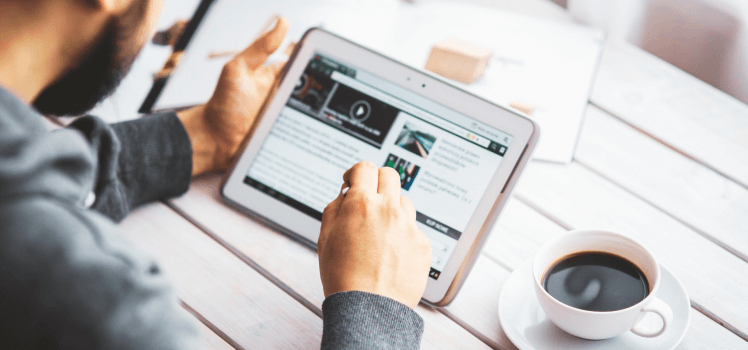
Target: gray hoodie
[(70, 280)]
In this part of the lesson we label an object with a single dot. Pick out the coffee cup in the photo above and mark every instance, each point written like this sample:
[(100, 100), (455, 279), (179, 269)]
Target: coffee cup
[(598, 278)]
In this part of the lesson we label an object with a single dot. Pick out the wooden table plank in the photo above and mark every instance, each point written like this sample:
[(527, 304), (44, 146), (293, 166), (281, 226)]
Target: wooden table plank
[(582, 199), (243, 304), (706, 334), (478, 302), (291, 263), (475, 307), (519, 234), (214, 336), (674, 107), (213, 341), (706, 201)]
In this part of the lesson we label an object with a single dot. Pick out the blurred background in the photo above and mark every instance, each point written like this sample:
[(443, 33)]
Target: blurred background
[(705, 38)]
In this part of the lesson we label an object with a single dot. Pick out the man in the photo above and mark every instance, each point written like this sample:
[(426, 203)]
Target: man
[(68, 277)]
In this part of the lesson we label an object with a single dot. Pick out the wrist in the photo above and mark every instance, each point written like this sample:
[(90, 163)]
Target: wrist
[(203, 145)]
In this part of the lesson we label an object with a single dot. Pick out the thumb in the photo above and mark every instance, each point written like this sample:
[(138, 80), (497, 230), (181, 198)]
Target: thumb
[(257, 53)]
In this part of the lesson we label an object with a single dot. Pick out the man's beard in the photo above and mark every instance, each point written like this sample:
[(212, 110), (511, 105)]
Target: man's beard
[(94, 79)]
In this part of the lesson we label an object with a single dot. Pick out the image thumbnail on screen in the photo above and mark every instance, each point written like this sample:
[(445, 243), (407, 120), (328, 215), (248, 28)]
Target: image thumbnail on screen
[(362, 114), (415, 141), (312, 90), (407, 170)]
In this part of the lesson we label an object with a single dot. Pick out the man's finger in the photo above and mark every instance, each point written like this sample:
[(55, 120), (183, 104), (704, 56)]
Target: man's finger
[(329, 215), (257, 53), (389, 182), (408, 208), (362, 177), (268, 74), (273, 69)]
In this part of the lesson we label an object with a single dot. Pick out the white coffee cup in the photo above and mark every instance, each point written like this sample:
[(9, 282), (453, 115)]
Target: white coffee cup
[(596, 325)]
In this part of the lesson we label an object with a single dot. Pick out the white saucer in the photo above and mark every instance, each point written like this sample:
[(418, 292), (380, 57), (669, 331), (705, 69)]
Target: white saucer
[(526, 325)]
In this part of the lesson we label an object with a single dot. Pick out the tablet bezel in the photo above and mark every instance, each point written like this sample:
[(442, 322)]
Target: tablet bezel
[(525, 132)]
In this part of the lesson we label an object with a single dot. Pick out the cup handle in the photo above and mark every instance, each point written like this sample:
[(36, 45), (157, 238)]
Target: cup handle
[(659, 307)]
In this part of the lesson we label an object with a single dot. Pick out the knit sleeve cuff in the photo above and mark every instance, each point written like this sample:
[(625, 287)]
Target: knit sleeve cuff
[(360, 320), (155, 160)]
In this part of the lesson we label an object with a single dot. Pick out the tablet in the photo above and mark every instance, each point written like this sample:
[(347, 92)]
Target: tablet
[(337, 104)]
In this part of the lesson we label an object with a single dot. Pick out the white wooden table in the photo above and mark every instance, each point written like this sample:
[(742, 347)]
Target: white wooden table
[(662, 157)]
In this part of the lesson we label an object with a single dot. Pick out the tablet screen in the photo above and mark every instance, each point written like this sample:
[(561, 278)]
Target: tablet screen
[(338, 116)]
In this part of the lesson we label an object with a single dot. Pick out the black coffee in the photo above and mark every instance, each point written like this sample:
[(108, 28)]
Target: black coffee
[(596, 281)]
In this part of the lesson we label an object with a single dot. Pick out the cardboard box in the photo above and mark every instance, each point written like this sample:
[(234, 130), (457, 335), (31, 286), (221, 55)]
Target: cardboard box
[(459, 60)]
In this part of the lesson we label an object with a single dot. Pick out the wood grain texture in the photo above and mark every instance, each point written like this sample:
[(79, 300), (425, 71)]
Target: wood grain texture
[(292, 263), (475, 307), (213, 341), (704, 333), (698, 196), (519, 234), (235, 298), (674, 107), (477, 303), (582, 199), (215, 336)]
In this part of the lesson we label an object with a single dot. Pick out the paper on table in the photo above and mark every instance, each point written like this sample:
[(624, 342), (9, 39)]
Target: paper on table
[(547, 64), (550, 65)]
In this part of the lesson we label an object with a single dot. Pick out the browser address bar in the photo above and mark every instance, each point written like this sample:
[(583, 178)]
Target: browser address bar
[(368, 90)]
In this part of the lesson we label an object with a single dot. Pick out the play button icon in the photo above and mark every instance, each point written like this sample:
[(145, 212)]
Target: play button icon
[(360, 111)]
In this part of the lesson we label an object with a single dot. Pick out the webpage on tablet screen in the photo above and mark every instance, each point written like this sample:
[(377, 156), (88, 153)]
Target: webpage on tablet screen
[(338, 116)]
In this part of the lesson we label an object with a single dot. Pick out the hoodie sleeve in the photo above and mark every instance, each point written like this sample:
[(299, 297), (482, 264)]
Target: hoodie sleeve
[(360, 320), (138, 161)]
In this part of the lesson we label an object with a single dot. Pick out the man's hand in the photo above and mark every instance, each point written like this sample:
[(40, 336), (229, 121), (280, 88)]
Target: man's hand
[(218, 128), (369, 240)]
